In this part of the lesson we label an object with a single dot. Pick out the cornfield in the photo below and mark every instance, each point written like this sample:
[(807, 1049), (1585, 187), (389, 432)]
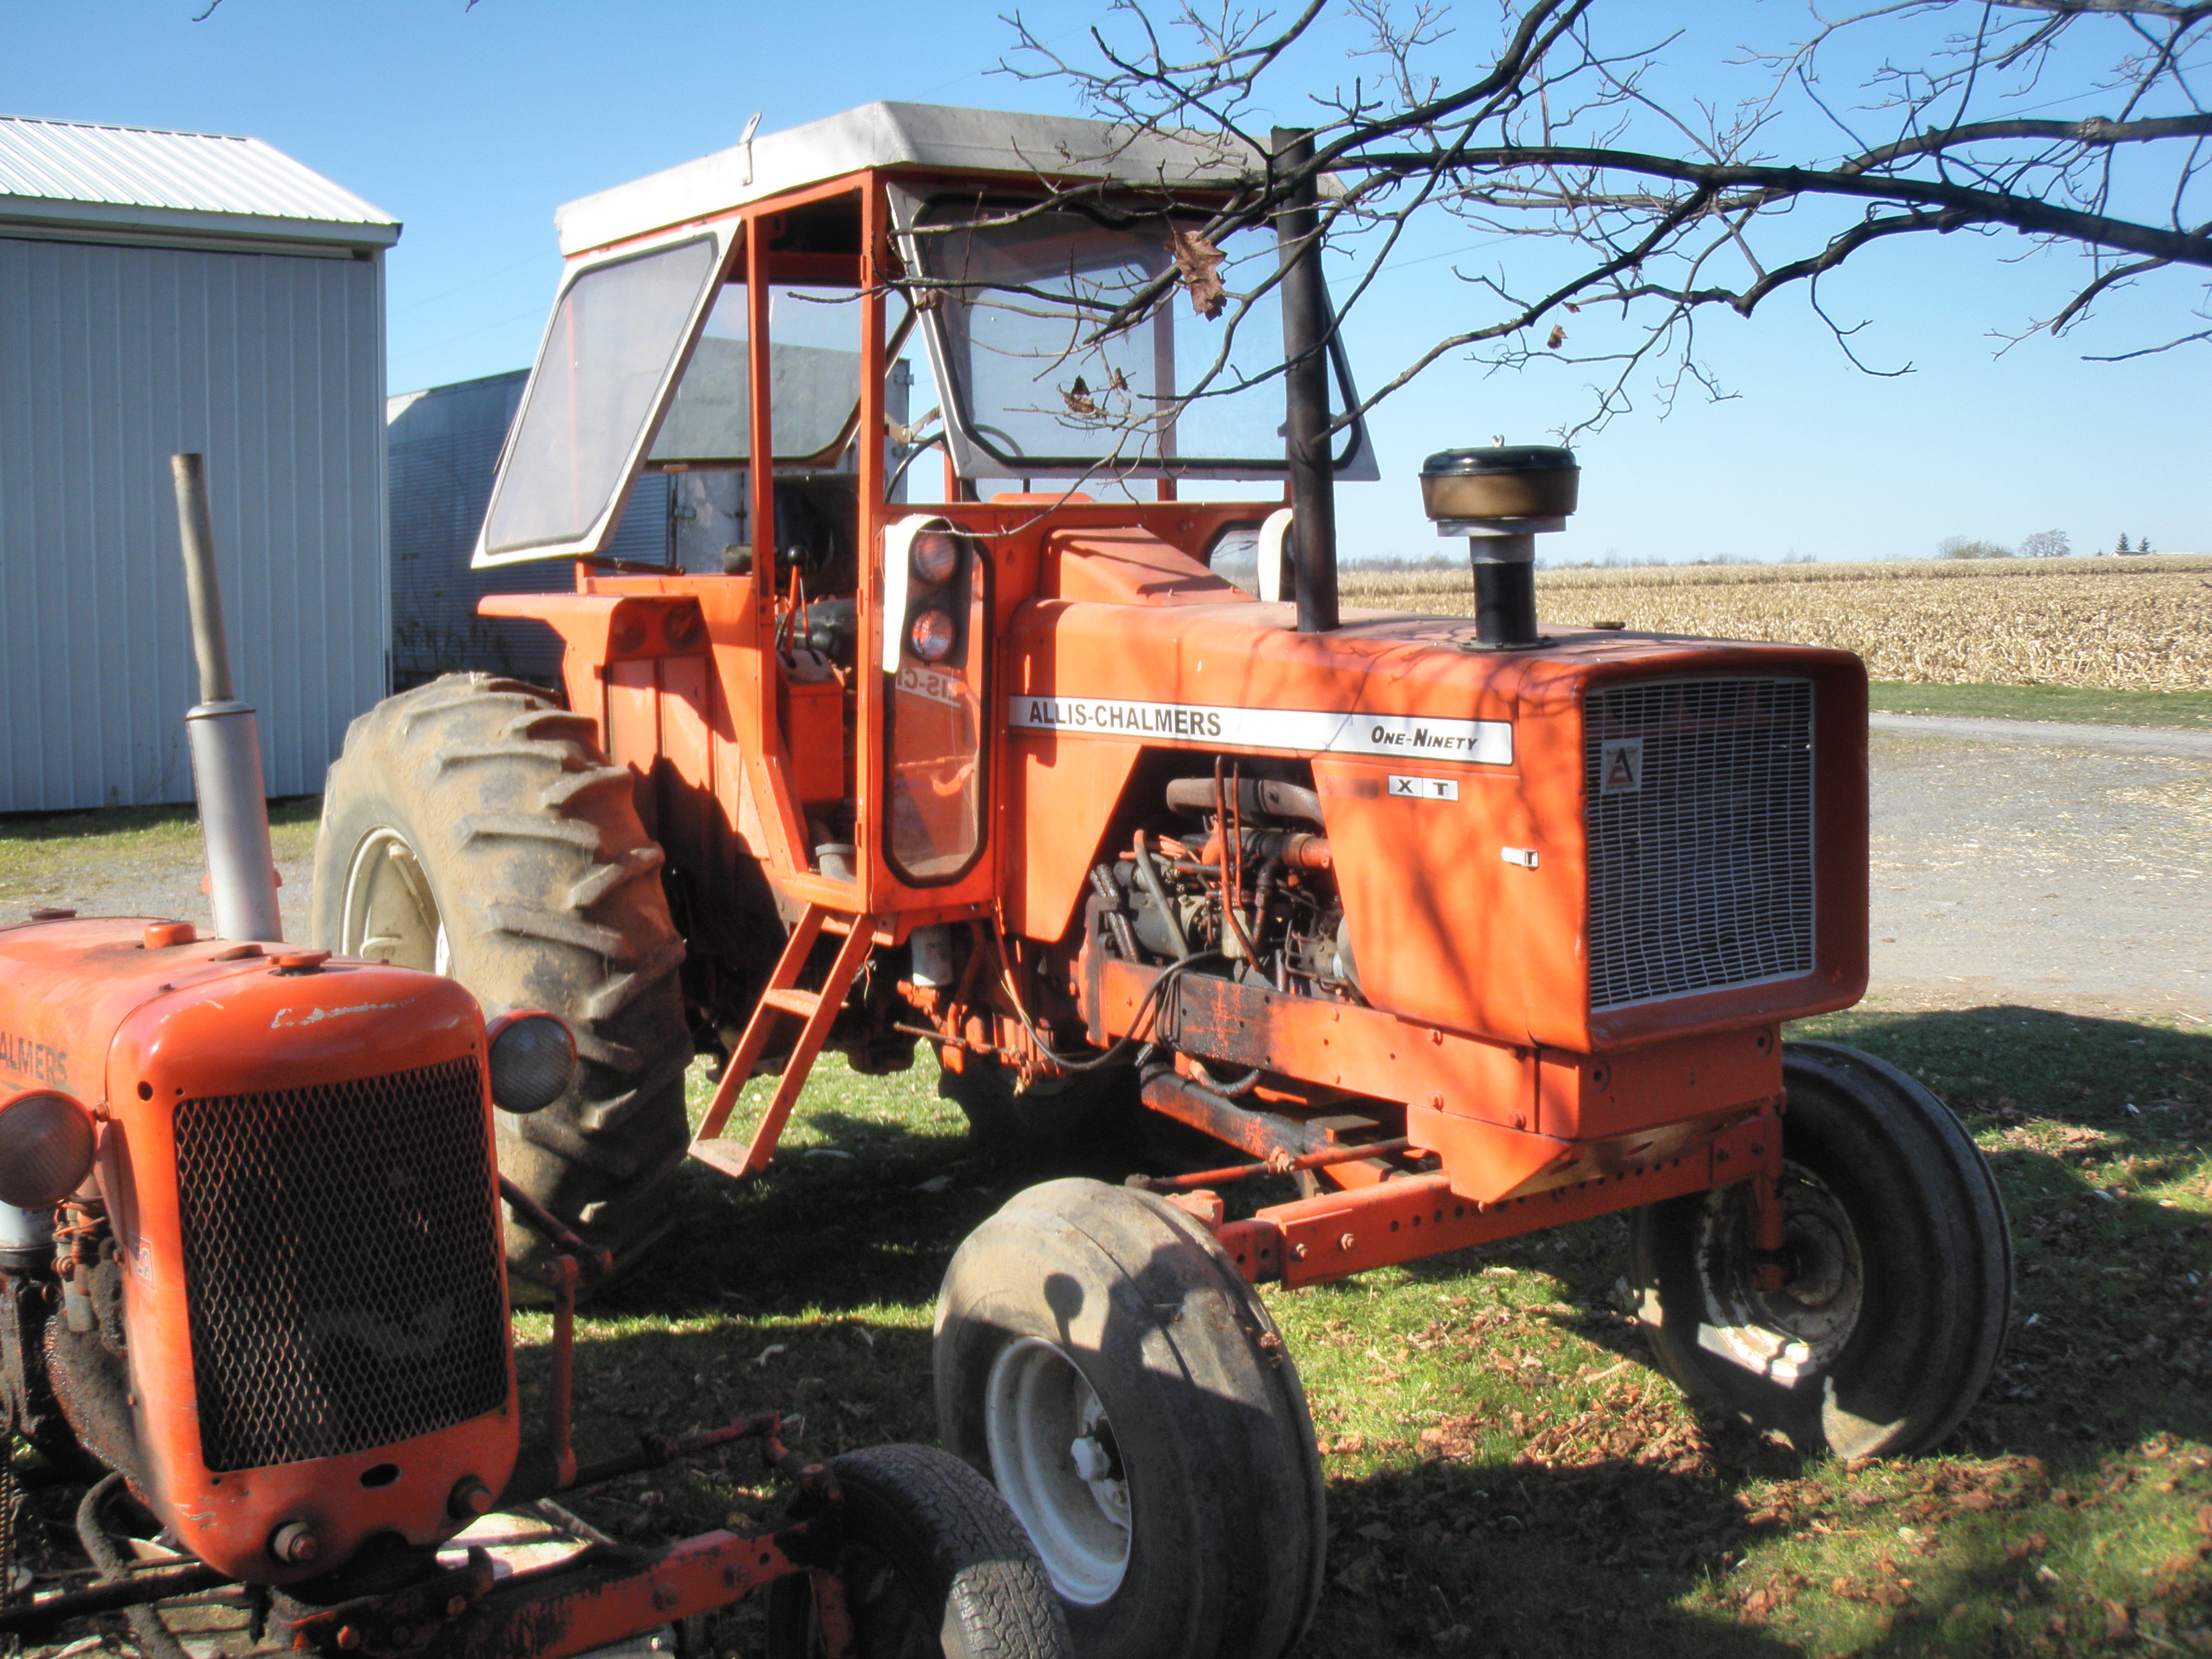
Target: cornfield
[(2103, 623)]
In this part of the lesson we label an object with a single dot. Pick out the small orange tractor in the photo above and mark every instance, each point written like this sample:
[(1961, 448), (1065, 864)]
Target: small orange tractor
[(252, 1284), (1471, 929)]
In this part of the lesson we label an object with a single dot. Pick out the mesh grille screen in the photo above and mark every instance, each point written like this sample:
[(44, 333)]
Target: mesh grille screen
[(342, 1263), (1700, 820)]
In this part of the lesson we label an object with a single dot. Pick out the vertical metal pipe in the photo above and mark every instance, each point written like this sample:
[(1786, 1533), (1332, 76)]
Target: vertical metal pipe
[(226, 743), (1305, 389), (196, 528)]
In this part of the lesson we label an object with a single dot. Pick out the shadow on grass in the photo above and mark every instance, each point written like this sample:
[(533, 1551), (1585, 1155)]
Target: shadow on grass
[(838, 1260)]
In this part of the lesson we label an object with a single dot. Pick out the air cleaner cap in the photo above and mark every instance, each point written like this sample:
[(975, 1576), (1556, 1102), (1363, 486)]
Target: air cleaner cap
[(1500, 457), (1506, 481)]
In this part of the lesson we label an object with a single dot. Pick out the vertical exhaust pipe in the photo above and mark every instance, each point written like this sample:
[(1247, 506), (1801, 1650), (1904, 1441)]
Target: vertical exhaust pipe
[(226, 742), (1305, 389)]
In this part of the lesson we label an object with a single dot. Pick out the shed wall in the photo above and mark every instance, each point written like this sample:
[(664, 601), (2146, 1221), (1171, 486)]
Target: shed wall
[(113, 358)]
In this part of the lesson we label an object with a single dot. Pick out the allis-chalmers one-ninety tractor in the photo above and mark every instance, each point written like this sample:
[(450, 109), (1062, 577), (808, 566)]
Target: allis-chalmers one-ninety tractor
[(253, 1286), (1472, 930)]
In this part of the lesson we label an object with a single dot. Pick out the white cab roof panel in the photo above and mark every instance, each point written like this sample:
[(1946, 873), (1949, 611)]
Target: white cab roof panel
[(934, 135)]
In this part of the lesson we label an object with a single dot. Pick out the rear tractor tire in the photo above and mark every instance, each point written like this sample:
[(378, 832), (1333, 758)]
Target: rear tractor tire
[(1053, 1116), (1098, 1356), (1899, 1264), (472, 827)]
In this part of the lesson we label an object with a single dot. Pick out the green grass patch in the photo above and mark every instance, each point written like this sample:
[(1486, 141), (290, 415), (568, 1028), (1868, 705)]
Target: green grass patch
[(2189, 709), (38, 852), (1507, 1474)]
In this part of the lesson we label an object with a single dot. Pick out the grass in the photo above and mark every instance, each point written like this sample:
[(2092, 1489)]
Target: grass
[(1506, 1475), (2186, 709), (42, 854)]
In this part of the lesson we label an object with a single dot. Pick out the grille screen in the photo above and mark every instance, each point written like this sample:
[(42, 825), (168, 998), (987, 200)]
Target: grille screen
[(1700, 820), (342, 1264)]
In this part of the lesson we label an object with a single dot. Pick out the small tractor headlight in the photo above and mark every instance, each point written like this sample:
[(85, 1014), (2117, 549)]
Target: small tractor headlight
[(533, 1060), (931, 636), (46, 1143), (936, 556)]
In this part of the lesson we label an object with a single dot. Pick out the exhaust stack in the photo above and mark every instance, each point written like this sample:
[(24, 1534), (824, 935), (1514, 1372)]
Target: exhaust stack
[(226, 742), (1501, 499), (1306, 326)]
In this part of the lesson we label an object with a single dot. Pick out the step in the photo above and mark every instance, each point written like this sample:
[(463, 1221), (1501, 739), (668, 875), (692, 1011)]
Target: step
[(793, 1001), (727, 1156)]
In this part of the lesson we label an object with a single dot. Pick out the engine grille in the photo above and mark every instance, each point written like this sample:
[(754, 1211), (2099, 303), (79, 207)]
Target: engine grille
[(341, 1251), (1700, 822)]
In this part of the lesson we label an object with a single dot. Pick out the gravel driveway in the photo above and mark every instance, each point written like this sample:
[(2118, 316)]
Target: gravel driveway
[(2060, 867)]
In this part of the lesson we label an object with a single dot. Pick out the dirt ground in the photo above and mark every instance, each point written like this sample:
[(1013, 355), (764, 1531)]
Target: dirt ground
[(2065, 867), (2048, 868)]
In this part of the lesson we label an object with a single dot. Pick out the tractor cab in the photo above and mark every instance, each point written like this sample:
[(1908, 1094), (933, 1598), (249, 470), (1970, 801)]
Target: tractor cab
[(907, 310)]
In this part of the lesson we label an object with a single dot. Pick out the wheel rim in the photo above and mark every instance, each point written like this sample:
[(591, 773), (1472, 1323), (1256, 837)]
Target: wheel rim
[(1059, 1467), (390, 914), (1800, 1330)]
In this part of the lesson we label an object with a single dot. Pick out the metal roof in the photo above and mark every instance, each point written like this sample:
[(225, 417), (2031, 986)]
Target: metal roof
[(82, 176), (887, 134)]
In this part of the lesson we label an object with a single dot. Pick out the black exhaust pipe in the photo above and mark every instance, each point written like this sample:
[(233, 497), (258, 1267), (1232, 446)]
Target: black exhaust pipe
[(1305, 388)]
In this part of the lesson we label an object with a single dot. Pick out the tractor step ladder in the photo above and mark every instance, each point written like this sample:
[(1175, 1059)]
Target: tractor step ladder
[(784, 1000)]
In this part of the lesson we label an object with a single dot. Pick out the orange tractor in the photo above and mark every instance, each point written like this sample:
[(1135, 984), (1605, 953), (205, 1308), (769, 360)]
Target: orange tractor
[(252, 1288), (1471, 929)]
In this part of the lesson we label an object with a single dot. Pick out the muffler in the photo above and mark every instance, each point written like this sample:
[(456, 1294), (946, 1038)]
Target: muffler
[(226, 742)]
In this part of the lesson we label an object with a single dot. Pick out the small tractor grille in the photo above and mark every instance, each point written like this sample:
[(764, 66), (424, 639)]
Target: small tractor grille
[(341, 1254), (1700, 820)]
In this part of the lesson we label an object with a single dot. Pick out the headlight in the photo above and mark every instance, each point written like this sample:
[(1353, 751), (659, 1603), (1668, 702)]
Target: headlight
[(931, 636), (936, 556), (46, 1143), (533, 1060)]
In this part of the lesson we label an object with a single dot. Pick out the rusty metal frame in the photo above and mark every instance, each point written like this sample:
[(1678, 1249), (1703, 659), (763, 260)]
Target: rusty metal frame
[(1337, 1234)]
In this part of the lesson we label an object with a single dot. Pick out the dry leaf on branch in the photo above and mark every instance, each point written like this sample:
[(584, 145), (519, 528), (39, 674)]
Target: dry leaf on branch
[(1198, 262)]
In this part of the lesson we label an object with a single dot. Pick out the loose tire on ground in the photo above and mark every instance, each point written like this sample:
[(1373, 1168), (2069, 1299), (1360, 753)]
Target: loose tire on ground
[(473, 827), (1051, 1117), (934, 1563), (1098, 1356), (1899, 1259)]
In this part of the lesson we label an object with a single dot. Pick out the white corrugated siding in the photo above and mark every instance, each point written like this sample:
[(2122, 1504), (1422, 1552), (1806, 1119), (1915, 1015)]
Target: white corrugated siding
[(111, 359)]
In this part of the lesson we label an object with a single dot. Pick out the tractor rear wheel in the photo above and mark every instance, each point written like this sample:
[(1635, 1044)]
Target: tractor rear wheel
[(472, 827), (1099, 1357), (1899, 1259), (934, 1563), (1051, 1117)]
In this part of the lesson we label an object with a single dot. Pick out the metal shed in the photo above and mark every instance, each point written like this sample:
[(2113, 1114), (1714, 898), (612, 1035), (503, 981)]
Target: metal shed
[(444, 447), (166, 291)]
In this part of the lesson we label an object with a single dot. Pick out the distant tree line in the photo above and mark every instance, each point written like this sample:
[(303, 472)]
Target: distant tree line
[(2042, 544)]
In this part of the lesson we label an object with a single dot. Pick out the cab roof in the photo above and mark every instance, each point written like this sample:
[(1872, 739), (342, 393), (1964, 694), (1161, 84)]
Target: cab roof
[(935, 137)]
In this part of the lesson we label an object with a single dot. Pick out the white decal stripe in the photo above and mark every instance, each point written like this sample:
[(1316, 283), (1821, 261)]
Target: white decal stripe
[(1486, 743)]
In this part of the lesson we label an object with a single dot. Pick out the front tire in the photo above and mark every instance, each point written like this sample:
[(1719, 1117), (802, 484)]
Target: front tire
[(1899, 1264), (933, 1563), (1099, 1357), (472, 827)]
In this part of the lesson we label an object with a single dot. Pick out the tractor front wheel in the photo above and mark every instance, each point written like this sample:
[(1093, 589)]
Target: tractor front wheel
[(1098, 1356), (1898, 1265), (932, 1563), (1050, 1118), (472, 827)]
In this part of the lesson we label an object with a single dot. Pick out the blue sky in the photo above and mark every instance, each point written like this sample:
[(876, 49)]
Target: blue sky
[(471, 126)]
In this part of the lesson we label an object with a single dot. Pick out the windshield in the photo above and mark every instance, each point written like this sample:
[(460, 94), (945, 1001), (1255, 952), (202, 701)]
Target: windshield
[(615, 337), (1036, 393), (814, 381)]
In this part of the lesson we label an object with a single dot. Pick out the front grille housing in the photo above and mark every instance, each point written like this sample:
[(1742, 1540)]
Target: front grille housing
[(1699, 818), (341, 1253)]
